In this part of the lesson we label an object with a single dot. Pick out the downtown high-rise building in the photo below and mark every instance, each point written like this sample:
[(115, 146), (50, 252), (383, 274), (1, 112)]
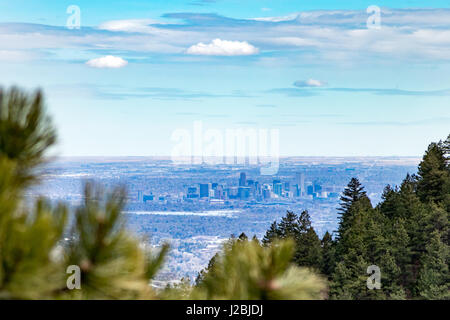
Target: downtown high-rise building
[(278, 188), (242, 180), (204, 190), (140, 196), (300, 180)]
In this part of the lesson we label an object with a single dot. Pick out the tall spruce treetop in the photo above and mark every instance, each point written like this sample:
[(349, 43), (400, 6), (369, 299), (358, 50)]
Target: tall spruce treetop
[(289, 227), (446, 147), (433, 174), (304, 222), (271, 234), (388, 205), (309, 250), (352, 193)]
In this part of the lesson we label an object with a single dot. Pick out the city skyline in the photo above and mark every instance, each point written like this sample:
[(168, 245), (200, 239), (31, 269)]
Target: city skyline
[(246, 190), (136, 72), (164, 200)]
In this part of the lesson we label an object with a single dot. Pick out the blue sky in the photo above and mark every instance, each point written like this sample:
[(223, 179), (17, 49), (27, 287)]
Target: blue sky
[(311, 69)]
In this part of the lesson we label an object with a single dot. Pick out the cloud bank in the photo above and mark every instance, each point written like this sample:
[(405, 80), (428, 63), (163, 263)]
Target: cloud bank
[(313, 37)]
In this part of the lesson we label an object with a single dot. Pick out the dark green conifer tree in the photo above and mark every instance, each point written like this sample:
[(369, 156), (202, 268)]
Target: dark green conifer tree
[(353, 193), (433, 174), (289, 226), (328, 255), (243, 237), (309, 249), (271, 234), (434, 278)]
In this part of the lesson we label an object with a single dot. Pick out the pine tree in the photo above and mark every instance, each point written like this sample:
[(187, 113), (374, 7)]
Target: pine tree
[(399, 244), (391, 287), (113, 263), (245, 270), (34, 257), (309, 250), (353, 193), (289, 226), (389, 204), (433, 174), (242, 237), (328, 255), (272, 234), (28, 234), (360, 245), (26, 132), (406, 235), (434, 277), (349, 281), (375, 236), (298, 228), (202, 273)]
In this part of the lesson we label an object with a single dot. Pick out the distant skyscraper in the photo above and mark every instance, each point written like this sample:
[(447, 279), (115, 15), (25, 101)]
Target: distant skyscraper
[(300, 179), (278, 188), (242, 180), (204, 190), (296, 190), (275, 182)]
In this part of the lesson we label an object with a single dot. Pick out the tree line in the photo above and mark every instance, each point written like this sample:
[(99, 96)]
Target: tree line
[(406, 236)]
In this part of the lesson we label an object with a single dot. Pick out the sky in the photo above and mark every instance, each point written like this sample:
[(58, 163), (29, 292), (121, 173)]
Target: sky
[(135, 72)]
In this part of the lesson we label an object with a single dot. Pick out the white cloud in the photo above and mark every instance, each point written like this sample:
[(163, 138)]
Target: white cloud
[(310, 83), (131, 25), (107, 62), (220, 47), (290, 17)]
